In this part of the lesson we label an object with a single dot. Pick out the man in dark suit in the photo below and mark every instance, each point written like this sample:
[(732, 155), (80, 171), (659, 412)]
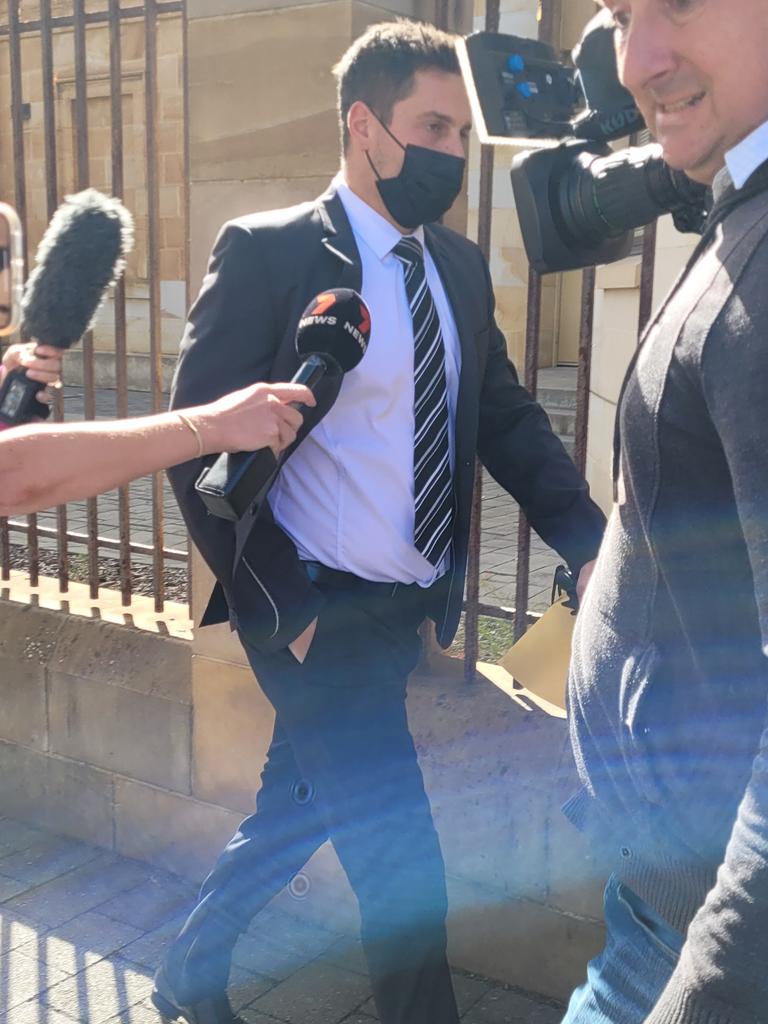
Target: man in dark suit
[(366, 529)]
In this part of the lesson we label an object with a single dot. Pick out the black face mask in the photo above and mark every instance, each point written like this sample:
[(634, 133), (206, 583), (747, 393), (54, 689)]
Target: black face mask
[(426, 186)]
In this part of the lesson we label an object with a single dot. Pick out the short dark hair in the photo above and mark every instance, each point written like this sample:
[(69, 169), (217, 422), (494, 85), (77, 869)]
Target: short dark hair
[(379, 67)]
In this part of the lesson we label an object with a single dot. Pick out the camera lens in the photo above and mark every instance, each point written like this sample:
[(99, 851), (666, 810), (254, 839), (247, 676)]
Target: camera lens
[(603, 196), (578, 203)]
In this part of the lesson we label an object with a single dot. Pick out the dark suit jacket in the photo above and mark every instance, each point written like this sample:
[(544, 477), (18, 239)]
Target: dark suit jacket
[(264, 270)]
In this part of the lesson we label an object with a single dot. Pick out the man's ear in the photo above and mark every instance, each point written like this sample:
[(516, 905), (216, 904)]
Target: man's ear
[(361, 124)]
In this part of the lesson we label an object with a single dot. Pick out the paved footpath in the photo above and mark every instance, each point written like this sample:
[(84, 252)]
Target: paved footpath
[(82, 930)]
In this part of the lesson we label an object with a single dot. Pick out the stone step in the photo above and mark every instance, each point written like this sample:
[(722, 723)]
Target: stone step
[(563, 420), (557, 398), (557, 394)]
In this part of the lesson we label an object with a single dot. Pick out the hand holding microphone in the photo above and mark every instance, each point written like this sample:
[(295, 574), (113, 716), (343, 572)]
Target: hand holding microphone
[(331, 339), (41, 363), (260, 415), (81, 255), (49, 464)]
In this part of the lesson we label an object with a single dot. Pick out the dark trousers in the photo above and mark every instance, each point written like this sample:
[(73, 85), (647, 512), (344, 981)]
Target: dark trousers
[(342, 766)]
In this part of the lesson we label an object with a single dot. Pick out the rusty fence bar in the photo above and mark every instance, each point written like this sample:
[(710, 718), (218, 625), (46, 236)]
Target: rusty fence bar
[(153, 275), (530, 379), (121, 331), (83, 180), (114, 17), (549, 16), (584, 371), (20, 199), (485, 216), (187, 202), (52, 201)]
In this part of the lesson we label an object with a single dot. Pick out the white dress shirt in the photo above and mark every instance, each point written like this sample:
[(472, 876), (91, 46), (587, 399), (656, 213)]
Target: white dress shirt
[(346, 496), (745, 157)]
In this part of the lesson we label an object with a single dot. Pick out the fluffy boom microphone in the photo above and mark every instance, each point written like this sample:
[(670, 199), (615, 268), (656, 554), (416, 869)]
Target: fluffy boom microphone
[(81, 255), (331, 339)]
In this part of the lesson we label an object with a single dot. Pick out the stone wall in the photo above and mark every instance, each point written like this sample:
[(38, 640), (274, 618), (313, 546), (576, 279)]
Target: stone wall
[(96, 737)]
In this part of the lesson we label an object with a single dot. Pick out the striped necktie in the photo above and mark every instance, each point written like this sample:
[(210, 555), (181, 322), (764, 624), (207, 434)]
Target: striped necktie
[(433, 490)]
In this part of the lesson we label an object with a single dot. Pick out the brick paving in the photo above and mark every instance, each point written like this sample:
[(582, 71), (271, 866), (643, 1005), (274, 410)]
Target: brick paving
[(498, 554), (82, 930), (498, 564)]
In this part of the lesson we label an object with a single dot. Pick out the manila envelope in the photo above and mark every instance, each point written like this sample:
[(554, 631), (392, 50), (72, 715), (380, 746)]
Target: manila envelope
[(540, 658)]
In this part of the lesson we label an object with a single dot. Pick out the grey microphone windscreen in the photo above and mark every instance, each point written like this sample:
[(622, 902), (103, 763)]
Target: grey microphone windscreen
[(82, 253)]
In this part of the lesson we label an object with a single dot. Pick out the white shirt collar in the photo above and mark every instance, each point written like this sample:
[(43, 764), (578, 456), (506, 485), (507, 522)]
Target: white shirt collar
[(744, 159), (368, 225)]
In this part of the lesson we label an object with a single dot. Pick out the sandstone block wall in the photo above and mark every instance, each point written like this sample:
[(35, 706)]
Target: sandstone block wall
[(96, 737)]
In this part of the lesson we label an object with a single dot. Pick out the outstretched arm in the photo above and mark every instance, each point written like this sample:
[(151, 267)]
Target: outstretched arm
[(48, 464)]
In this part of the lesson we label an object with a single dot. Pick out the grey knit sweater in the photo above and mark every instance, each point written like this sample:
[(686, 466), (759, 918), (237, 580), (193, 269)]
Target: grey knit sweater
[(669, 686)]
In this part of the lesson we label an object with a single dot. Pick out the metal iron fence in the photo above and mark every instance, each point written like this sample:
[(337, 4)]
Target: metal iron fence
[(33, 36)]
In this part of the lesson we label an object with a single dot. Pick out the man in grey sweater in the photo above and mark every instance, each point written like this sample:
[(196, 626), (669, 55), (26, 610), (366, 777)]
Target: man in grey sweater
[(669, 685)]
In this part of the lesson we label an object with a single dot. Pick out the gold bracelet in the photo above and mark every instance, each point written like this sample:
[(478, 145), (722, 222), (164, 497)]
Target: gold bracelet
[(188, 423)]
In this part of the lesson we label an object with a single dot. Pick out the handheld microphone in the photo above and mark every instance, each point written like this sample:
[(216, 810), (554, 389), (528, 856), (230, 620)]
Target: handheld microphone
[(331, 339), (81, 255)]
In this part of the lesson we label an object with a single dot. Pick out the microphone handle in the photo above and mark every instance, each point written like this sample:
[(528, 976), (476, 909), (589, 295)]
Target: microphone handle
[(18, 400), (238, 481), (311, 372)]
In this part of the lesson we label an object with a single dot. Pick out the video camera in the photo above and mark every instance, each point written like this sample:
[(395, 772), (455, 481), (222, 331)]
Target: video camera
[(578, 200)]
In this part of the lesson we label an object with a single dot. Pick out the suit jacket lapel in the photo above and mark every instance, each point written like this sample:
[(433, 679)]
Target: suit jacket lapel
[(339, 240), (454, 282)]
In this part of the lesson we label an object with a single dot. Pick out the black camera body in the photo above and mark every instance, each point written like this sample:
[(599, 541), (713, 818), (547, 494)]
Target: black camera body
[(580, 203), (525, 94), (578, 200), (524, 91)]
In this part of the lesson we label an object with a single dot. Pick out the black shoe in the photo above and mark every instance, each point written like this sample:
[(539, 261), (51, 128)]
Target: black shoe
[(212, 1010)]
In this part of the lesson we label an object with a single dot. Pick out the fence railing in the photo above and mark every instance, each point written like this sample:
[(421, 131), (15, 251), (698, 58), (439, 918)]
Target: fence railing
[(75, 57)]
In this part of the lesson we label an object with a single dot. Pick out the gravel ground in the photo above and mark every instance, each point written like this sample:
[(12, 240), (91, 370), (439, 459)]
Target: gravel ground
[(109, 573)]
